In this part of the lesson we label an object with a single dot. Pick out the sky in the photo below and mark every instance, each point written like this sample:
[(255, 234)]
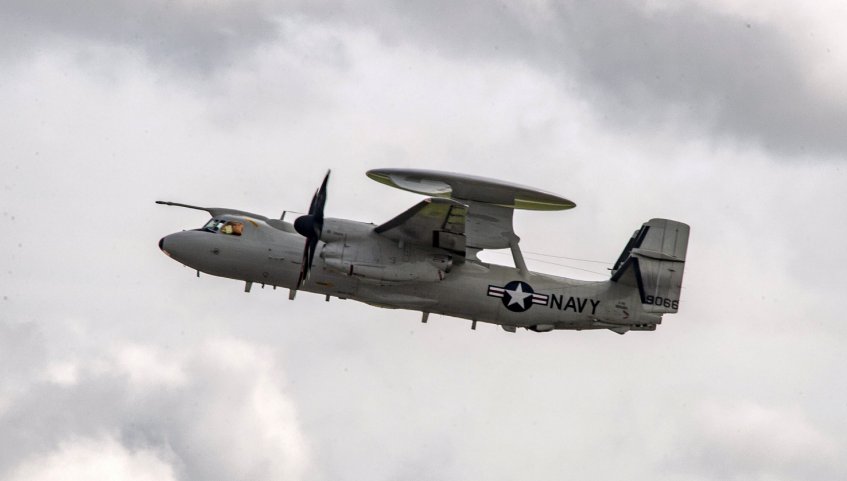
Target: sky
[(118, 363)]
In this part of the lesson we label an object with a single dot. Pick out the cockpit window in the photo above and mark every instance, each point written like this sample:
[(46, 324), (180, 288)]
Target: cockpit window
[(224, 227), (214, 225), (232, 228)]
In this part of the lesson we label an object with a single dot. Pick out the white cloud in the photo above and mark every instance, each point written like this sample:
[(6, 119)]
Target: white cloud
[(99, 459), (247, 413), (145, 367), (747, 440), (219, 410), (64, 373)]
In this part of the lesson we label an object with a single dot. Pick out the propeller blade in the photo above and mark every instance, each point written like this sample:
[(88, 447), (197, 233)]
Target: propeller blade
[(304, 266), (313, 246), (308, 258), (311, 226), (319, 199)]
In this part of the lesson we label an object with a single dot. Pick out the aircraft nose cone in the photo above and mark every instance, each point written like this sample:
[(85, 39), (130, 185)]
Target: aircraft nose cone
[(187, 247), (162, 246)]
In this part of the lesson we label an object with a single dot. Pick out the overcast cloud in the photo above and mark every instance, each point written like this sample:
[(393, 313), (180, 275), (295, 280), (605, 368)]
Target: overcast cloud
[(745, 75), (117, 363)]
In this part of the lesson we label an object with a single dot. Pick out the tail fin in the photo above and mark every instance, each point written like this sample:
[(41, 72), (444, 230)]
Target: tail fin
[(653, 261)]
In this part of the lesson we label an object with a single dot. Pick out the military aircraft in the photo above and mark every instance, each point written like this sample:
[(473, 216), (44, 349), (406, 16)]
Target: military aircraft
[(426, 258)]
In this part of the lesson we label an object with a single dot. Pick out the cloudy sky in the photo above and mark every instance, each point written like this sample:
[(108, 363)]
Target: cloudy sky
[(117, 363)]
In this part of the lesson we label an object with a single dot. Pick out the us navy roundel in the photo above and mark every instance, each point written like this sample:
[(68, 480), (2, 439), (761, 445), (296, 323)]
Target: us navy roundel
[(517, 296)]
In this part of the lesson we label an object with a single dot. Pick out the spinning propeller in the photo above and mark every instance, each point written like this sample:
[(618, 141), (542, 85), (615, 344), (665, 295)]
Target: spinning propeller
[(310, 226)]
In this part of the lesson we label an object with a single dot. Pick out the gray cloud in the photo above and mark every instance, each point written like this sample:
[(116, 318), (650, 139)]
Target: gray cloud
[(738, 80), (715, 73), (643, 69), (195, 37), (687, 67)]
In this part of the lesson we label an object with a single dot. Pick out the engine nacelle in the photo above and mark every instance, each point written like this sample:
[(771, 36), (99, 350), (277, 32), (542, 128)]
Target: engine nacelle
[(420, 268), (419, 271)]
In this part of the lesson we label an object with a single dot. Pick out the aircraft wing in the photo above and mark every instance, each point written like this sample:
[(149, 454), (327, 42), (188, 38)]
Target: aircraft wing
[(456, 226), (489, 226), (490, 203), (436, 222)]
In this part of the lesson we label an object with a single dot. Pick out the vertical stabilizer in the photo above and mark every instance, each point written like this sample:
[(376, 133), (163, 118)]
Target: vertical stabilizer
[(653, 262)]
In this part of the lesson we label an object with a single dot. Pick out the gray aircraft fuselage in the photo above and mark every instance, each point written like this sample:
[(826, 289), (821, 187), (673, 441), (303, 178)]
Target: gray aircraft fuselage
[(354, 262)]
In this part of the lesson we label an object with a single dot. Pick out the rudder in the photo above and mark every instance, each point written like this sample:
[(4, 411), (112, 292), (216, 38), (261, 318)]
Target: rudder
[(653, 261)]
